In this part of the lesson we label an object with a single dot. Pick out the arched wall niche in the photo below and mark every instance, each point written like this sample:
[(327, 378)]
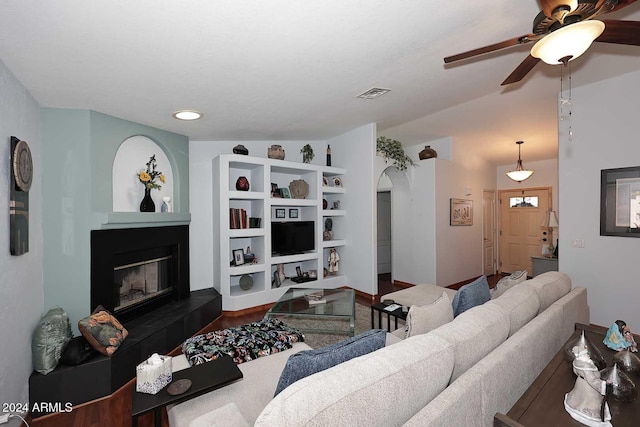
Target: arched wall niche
[(131, 158), (401, 219)]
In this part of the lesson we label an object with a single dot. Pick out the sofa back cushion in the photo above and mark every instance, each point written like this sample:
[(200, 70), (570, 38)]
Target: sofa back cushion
[(508, 282), (550, 286), (521, 303), (471, 295), (357, 392), (474, 334), (422, 319)]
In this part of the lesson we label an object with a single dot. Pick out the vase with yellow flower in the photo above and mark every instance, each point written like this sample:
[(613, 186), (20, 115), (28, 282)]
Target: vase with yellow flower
[(149, 178)]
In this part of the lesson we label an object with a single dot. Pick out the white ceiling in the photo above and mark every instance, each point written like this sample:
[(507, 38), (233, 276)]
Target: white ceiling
[(291, 69)]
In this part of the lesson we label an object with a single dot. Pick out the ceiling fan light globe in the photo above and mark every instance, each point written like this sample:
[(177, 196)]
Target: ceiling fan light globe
[(569, 42)]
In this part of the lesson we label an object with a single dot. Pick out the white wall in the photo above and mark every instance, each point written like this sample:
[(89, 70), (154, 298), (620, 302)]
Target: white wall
[(605, 129), (21, 288)]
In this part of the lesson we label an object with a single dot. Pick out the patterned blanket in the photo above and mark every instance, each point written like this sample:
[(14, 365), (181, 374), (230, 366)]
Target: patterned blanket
[(242, 343)]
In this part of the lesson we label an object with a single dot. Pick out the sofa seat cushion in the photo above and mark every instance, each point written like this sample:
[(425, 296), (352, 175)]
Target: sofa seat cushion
[(309, 362), (357, 392), (550, 286), (521, 304), (225, 416), (422, 319), (419, 295), (471, 295), (474, 334), (251, 394)]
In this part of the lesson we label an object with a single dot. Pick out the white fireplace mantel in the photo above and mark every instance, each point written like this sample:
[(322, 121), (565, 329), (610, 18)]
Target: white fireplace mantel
[(111, 220)]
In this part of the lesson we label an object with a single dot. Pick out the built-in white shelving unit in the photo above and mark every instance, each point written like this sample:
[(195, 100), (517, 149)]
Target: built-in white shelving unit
[(321, 203)]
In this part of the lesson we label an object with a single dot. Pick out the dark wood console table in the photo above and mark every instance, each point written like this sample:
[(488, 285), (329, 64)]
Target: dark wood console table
[(543, 403)]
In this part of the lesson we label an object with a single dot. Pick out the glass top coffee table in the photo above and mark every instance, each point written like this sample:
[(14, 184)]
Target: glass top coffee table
[(320, 311)]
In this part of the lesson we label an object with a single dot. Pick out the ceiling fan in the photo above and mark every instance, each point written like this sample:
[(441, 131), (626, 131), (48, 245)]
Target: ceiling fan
[(564, 30)]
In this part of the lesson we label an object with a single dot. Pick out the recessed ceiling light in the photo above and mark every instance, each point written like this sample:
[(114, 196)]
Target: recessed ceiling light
[(187, 115), (373, 93)]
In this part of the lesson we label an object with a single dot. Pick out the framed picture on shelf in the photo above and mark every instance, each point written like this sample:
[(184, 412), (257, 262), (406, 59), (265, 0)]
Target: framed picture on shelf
[(238, 256), (293, 213), (274, 190), (280, 213), (284, 192), (461, 212)]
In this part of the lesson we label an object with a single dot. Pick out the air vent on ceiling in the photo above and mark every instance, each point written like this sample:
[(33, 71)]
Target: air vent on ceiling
[(373, 93)]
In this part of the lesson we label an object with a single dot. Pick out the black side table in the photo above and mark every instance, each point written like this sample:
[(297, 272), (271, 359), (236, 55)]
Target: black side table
[(396, 314), (204, 378)]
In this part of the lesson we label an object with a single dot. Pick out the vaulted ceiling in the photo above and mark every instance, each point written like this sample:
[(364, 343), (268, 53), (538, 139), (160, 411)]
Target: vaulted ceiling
[(290, 69)]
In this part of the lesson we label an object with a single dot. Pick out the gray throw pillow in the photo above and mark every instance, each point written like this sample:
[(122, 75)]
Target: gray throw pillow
[(309, 362), (508, 282), (470, 295), (49, 339)]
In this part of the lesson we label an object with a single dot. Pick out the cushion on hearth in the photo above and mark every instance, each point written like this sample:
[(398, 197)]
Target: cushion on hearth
[(508, 282), (242, 343), (470, 295), (305, 363), (103, 331), (49, 339), (422, 319)]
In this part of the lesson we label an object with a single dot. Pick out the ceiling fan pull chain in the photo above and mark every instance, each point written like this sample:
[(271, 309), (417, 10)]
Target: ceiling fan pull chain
[(570, 108)]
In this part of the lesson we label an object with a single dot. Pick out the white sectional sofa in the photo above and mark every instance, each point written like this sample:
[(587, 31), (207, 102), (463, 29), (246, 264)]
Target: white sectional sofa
[(459, 374)]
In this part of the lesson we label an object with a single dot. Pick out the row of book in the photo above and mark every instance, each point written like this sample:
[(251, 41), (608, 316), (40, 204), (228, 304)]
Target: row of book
[(238, 218)]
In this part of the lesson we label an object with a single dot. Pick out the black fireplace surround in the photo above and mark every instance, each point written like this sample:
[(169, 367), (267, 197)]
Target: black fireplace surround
[(156, 325), (117, 247)]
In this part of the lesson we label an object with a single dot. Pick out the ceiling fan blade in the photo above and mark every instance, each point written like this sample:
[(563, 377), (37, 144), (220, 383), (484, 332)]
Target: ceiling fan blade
[(521, 70), (620, 5), (620, 32), (491, 48)]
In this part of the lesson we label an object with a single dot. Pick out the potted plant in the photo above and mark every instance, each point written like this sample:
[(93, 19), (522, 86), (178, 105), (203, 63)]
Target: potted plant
[(307, 153), (392, 149)]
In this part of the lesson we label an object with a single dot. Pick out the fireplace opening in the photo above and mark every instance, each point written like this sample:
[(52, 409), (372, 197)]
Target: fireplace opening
[(142, 281), (135, 270)]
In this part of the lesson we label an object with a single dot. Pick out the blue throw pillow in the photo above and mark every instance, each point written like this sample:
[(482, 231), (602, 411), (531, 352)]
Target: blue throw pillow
[(309, 362), (470, 295)]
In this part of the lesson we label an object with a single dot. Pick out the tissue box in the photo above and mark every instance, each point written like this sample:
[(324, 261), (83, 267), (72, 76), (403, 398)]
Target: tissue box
[(153, 378)]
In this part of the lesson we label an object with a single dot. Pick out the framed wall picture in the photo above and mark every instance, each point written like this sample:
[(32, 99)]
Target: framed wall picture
[(238, 256), (620, 202), (293, 213), (280, 213), (461, 212)]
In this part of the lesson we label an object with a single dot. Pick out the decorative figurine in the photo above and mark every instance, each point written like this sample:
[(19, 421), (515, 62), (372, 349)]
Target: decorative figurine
[(328, 155), (328, 226), (334, 259), (275, 152), (586, 402), (619, 337)]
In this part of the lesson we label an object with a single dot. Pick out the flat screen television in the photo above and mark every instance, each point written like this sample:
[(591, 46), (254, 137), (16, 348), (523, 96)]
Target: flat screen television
[(295, 237)]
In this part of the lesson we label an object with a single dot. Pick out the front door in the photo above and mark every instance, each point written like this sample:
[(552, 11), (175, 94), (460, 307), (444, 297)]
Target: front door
[(489, 232), (520, 232)]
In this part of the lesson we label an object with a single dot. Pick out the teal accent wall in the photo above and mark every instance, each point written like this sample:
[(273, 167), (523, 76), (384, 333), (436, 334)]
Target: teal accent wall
[(79, 148)]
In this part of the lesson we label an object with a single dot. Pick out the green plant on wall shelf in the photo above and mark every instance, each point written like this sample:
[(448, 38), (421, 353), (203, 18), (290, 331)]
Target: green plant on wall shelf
[(392, 149), (307, 153)]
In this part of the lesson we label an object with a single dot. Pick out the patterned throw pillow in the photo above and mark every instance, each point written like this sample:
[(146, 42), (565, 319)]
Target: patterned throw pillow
[(308, 362), (103, 331), (508, 282), (470, 295), (422, 319)]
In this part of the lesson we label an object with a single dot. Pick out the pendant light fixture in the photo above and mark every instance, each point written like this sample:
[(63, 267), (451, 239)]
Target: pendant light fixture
[(519, 174)]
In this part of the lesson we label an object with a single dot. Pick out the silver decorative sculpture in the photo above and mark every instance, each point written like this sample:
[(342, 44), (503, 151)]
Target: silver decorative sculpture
[(586, 402)]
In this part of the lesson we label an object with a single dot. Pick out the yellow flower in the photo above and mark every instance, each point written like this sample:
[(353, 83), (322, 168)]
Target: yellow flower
[(162, 177), (145, 177)]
